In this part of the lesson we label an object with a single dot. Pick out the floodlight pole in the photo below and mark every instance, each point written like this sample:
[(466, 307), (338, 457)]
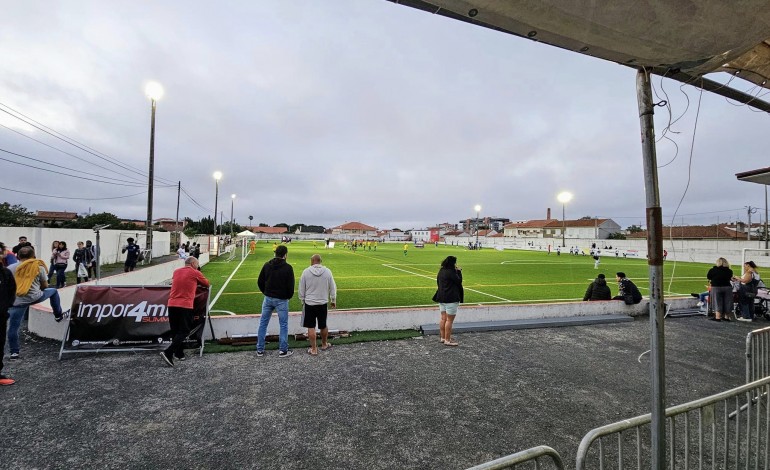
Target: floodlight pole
[(767, 236), (655, 262)]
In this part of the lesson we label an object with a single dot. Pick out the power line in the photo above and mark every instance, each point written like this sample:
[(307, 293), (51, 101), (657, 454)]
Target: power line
[(78, 198), (73, 142), (59, 172), (70, 154)]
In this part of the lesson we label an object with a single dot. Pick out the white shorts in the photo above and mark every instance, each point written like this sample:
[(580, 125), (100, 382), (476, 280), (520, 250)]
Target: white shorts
[(450, 309)]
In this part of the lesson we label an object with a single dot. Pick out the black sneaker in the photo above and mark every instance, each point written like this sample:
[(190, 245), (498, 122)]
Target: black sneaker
[(180, 358), (167, 359), (697, 296), (15, 355), (260, 353), (58, 318), (285, 353)]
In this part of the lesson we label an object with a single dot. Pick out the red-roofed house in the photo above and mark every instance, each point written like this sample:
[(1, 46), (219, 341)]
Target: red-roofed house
[(269, 230), (354, 229), (695, 232), (54, 218)]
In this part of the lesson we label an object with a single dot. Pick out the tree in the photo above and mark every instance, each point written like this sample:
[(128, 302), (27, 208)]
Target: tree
[(634, 229), (15, 215), (262, 224), (616, 236), (282, 225), (92, 220)]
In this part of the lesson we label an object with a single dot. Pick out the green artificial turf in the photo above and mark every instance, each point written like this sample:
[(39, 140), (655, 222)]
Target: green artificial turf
[(386, 278)]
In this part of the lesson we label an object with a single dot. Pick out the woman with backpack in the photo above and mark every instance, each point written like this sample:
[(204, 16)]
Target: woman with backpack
[(747, 290)]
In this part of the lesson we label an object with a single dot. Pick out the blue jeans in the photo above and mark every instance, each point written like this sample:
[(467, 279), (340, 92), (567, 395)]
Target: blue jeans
[(281, 306), (16, 314), (60, 279)]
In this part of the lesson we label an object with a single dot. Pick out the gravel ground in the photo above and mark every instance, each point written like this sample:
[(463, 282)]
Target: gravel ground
[(401, 404)]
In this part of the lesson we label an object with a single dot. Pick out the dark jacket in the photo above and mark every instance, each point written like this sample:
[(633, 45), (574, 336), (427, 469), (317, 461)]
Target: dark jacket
[(7, 292), (450, 286), (598, 290), (276, 279), (720, 276), (627, 287)]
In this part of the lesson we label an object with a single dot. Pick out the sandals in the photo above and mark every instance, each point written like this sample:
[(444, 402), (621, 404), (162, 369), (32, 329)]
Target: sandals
[(310, 351), (449, 342), (328, 346)]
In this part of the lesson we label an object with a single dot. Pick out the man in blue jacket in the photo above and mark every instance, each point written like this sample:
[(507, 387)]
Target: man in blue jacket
[(276, 282)]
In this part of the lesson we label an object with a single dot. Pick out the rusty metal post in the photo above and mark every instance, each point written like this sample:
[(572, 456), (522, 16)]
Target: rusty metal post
[(655, 262)]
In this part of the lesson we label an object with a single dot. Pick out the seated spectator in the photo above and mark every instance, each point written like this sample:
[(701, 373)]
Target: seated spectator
[(627, 290), (598, 290), (31, 279)]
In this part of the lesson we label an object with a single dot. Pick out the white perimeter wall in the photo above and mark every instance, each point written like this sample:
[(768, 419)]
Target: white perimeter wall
[(698, 251), (111, 241)]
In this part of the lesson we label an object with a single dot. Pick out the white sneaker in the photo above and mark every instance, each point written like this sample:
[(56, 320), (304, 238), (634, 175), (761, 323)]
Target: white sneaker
[(699, 304), (744, 319)]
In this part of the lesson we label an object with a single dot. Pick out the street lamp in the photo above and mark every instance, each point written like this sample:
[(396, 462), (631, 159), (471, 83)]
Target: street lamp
[(217, 177), (154, 91), (564, 197), (477, 208), (232, 204)]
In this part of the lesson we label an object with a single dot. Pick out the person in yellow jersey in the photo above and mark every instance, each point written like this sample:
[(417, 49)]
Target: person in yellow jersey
[(375, 245), (406, 248), (275, 245), (252, 246)]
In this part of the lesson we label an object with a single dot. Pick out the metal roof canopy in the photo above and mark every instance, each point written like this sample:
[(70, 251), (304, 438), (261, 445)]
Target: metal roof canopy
[(760, 176), (679, 40)]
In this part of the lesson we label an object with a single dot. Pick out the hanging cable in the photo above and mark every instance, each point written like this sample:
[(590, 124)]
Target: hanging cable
[(72, 198)]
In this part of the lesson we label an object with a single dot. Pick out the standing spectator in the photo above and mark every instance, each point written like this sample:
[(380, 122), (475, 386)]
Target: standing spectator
[(276, 282), (721, 290), (7, 257), (449, 295), (51, 269), (22, 242), (7, 296), (316, 290), (627, 290), (61, 257), (79, 257), (132, 251), (197, 250), (90, 258), (184, 284), (598, 290), (31, 288)]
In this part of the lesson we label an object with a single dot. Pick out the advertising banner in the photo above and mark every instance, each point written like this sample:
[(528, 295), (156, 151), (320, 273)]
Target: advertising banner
[(126, 318)]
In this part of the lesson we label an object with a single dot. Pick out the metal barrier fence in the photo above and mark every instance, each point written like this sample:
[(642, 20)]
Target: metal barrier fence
[(525, 456), (757, 355), (713, 432)]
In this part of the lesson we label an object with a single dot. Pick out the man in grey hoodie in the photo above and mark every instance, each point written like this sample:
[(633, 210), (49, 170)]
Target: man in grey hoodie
[(316, 290)]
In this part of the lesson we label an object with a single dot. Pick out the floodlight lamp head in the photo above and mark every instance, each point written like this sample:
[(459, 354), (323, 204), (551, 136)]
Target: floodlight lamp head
[(217, 175), (564, 197), (154, 91), (477, 207), (232, 196)]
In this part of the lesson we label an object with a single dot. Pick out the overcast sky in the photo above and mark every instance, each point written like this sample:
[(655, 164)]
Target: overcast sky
[(322, 112)]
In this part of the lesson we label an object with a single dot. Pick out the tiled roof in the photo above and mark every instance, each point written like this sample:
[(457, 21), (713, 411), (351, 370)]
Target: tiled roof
[(269, 230), (56, 215), (695, 232), (585, 222), (356, 226), (542, 223)]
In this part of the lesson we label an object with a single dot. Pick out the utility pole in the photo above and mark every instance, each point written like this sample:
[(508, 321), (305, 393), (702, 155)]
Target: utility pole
[(749, 210), (178, 193)]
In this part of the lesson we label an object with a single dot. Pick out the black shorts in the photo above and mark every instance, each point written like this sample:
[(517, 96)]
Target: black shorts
[(311, 313)]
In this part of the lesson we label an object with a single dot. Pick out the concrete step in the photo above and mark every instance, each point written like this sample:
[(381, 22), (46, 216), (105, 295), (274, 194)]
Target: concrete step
[(469, 327)]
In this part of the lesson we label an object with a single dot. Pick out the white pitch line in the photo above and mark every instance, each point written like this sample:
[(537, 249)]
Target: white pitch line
[(429, 277), (222, 289)]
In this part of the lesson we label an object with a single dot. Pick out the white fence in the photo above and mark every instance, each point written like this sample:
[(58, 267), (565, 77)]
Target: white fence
[(111, 241)]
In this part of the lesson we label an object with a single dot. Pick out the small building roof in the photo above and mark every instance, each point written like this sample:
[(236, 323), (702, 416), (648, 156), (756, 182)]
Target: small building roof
[(356, 226)]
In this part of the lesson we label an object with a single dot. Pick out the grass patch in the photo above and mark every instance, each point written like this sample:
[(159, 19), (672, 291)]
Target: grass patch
[(387, 279), (355, 337)]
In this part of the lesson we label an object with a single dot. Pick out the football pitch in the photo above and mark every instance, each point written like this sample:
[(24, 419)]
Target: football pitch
[(385, 278)]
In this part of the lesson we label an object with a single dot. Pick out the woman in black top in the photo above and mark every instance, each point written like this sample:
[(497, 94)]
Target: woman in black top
[(449, 295), (721, 290)]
